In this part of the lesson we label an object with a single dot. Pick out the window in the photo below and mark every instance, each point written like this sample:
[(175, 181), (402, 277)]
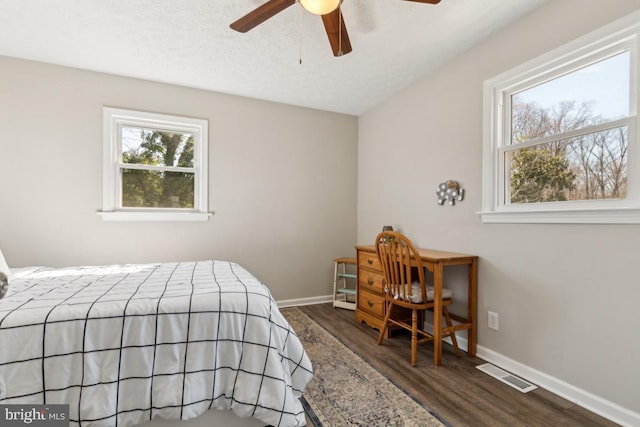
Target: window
[(560, 134), (154, 167)]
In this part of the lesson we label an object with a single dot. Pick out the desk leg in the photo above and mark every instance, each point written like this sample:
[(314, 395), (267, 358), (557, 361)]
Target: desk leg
[(437, 313), (472, 313)]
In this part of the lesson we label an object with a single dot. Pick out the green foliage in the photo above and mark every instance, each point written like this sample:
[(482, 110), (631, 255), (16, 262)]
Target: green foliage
[(159, 188), (591, 165), (539, 176)]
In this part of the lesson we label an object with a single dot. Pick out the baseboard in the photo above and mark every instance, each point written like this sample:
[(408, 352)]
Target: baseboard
[(305, 301), (583, 398)]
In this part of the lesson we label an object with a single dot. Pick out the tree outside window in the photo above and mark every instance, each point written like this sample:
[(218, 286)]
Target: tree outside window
[(170, 183), (571, 152)]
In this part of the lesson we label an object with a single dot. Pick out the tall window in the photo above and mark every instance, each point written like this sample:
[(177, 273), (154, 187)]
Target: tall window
[(154, 166), (560, 142), (569, 135)]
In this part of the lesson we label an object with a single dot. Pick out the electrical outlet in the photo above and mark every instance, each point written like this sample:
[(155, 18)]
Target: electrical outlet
[(493, 321)]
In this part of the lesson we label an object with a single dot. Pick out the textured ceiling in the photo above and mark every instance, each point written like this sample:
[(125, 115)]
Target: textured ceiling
[(189, 43)]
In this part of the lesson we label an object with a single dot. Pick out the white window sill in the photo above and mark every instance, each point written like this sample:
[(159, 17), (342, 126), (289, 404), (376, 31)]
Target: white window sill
[(154, 216), (577, 216)]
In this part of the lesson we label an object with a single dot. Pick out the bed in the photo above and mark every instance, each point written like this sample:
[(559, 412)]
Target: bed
[(126, 344)]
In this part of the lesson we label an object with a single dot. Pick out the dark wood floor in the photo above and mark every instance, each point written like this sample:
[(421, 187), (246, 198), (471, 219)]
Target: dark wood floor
[(459, 393)]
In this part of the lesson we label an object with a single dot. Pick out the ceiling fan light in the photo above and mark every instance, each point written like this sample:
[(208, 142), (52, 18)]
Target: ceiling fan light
[(320, 7)]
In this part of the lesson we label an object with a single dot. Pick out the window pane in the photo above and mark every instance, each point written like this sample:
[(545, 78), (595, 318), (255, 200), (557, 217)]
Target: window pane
[(155, 147), (593, 94), (593, 166), (153, 189)]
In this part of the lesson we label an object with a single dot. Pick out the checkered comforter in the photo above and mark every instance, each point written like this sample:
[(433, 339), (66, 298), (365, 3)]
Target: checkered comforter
[(125, 344)]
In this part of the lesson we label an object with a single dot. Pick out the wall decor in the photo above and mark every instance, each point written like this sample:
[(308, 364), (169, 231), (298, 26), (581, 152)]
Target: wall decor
[(449, 191)]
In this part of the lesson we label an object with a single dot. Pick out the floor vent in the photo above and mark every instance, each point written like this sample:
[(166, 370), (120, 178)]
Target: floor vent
[(507, 378)]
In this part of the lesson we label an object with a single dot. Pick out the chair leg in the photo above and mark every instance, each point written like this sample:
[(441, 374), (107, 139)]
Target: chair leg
[(414, 337), (385, 325), (452, 334)]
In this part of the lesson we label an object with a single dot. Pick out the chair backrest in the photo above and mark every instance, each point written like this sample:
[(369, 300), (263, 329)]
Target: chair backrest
[(400, 261)]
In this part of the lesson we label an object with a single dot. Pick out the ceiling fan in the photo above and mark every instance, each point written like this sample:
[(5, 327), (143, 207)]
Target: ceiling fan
[(328, 9)]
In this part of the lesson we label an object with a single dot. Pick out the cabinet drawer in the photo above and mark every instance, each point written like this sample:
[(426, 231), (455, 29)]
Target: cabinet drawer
[(370, 281), (371, 303), (369, 260)]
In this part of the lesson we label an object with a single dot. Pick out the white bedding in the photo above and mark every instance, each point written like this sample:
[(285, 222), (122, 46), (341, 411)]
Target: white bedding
[(126, 344)]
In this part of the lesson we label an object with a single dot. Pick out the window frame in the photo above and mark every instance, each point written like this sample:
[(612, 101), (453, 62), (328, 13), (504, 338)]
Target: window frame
[(619, 36), (114, 119)]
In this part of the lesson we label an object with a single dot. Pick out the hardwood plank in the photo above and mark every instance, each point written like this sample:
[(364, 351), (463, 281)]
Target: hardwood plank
[(456, 391)]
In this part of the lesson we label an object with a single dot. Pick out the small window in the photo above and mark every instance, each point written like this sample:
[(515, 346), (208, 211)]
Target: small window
[(560, 142), (154, 166)]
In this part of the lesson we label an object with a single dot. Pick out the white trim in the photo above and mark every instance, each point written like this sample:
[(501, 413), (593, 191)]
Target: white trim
[(627, 121), (620, 35), (583, 398), (573, 216), (154, 216), (113, 120), (304, 301)]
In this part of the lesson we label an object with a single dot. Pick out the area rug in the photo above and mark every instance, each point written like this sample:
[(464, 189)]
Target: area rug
[(346, 390)]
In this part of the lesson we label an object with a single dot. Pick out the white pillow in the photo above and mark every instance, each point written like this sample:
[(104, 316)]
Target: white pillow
[(3, 266)]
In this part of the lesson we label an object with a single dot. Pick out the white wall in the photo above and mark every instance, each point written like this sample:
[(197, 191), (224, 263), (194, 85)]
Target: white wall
[(282, 179), (567, 295), (283, 184)]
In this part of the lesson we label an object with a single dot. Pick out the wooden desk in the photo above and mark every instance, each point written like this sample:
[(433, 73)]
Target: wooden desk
[(370, 306)]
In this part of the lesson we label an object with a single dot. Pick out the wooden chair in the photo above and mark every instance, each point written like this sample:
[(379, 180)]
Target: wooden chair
[(400, 264)]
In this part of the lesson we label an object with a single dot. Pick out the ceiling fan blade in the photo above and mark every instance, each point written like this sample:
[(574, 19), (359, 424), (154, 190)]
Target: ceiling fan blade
[(426, 1), (337, 33), (261, 14)]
